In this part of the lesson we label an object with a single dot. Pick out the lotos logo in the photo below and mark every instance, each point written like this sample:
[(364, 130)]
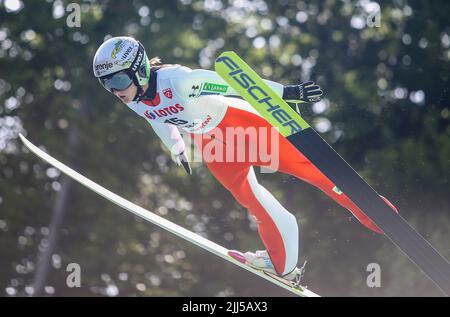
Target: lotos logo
[(164, 112), (168, 93), (150, 115), (103, 66)]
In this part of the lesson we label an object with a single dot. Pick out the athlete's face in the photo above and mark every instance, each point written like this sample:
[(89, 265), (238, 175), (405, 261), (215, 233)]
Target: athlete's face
[(127, 95)]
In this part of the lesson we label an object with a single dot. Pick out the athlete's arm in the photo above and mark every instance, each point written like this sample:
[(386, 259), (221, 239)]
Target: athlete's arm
[(172, 139), (198, 82), (169, 135)]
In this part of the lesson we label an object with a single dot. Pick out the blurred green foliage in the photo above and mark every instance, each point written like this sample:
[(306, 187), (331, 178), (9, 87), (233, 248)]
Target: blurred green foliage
[(386, 111)]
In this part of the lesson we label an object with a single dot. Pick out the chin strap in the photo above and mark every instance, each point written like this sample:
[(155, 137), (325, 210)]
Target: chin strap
[(139, 94), (140, 55), (151, 90)]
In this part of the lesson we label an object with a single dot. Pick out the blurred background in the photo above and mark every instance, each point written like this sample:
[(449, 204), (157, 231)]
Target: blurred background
[(384, 67)]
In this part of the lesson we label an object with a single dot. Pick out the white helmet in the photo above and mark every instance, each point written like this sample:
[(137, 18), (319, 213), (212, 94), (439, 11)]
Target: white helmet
[(121, 61)]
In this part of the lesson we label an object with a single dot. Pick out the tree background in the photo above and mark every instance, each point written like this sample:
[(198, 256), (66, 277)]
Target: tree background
[(386, 111)]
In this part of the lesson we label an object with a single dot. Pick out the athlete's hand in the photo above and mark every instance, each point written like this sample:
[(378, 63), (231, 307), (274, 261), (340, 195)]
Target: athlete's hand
[(181, 159), (304, 92)]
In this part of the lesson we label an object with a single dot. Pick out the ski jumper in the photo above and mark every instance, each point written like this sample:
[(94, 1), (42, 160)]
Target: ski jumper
[(201, 103)]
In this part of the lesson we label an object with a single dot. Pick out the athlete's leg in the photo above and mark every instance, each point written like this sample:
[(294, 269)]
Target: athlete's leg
[(295, 163), (276, 226), (292, 162)]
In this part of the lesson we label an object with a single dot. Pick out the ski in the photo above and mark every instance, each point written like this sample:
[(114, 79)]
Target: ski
[(291, 125), (159, 221)]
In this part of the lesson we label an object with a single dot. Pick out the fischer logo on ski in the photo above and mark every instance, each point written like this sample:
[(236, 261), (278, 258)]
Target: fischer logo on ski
[(242, 76)]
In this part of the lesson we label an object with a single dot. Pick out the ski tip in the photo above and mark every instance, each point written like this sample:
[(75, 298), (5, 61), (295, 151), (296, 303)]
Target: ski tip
[(225, 54), (25, 141), (237, 256)]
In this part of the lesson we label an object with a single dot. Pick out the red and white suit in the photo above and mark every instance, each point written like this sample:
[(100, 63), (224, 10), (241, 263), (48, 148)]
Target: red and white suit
[(201, 103)]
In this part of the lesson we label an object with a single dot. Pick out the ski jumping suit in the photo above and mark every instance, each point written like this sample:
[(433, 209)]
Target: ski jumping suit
[(201, 103)]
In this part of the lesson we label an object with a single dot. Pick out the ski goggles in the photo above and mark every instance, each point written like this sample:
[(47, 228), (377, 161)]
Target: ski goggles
[(117, 81)]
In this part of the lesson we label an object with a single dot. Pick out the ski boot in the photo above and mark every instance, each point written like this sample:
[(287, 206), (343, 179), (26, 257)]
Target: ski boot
[(260, 260)]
